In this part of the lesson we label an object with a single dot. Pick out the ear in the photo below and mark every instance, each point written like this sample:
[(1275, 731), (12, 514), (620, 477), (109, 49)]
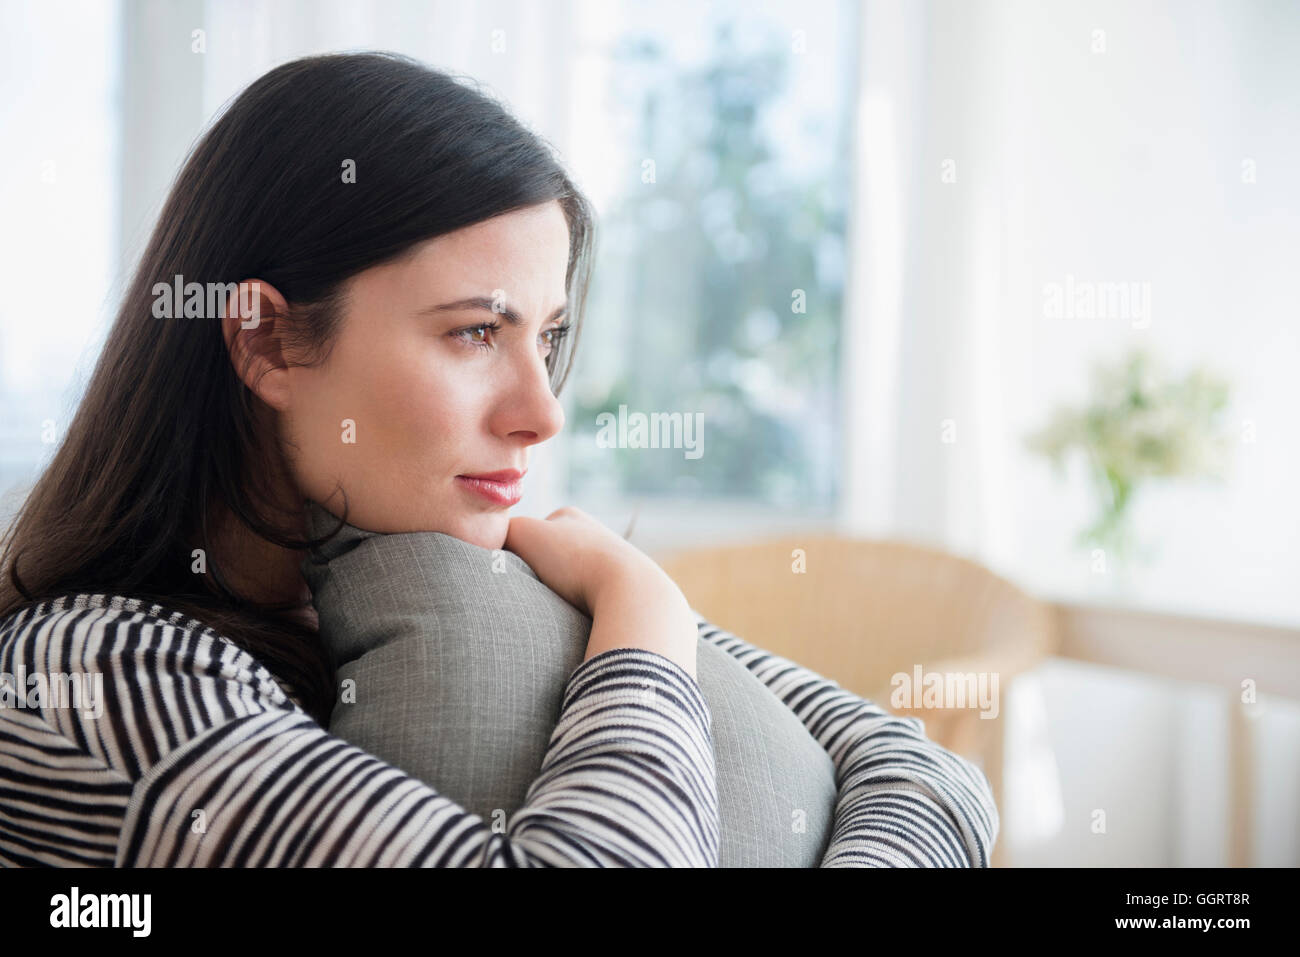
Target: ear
[(253, 328)]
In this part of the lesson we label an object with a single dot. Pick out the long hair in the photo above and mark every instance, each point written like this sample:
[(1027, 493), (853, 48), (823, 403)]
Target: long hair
[(166, 429)]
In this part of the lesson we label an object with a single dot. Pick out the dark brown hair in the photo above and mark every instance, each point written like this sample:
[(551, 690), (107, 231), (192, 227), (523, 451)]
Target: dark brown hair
[(166, 430)]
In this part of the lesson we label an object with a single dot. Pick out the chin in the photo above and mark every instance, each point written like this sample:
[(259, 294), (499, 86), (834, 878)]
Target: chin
[(486, 532)]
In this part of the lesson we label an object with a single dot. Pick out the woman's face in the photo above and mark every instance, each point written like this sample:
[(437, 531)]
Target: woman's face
[(419, 390)]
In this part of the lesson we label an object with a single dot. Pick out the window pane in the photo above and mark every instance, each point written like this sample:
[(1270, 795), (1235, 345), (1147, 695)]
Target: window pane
[(716, 301), (58, 191)]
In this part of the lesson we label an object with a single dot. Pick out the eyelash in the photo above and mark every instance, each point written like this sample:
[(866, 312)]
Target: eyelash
[(557, 334)]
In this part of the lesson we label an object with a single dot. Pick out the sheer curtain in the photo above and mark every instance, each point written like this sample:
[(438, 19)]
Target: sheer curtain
[(58, 110), (1005, 146)]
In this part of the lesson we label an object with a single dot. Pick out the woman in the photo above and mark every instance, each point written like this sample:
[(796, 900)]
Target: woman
[(411, 268)]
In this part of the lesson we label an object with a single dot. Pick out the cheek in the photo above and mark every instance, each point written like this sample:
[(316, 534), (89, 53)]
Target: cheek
[(389, 416), (424, 408), (325, 423), (421, 417)]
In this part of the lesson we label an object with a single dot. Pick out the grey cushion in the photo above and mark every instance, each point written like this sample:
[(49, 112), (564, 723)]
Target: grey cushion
[(460, 656)]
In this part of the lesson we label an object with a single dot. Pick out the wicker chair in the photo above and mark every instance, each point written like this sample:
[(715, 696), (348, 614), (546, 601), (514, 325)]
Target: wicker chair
[(861, 612)]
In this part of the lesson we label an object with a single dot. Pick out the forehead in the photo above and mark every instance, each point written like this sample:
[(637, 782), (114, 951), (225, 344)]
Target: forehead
[(524, 252)]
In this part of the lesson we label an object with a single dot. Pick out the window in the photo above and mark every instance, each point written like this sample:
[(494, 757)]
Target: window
[(58, 256), (716, 149)]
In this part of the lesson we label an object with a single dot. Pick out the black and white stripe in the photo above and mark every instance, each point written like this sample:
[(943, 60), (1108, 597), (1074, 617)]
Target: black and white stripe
[(191, 723), (904, 801)]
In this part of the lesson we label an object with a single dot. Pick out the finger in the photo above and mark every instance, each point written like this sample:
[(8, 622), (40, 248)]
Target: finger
[(525, 534)]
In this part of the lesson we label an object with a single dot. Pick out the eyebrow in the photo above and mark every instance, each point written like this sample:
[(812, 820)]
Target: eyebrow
[(483, 302)]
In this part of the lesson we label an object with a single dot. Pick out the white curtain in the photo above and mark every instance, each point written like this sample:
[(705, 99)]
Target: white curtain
[(1004, 145)]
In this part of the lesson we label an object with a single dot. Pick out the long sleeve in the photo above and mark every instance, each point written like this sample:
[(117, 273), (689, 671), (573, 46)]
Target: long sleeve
[(903, 801), (200, 759)]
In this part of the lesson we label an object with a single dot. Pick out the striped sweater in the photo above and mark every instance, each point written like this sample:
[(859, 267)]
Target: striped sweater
[(191, 753)]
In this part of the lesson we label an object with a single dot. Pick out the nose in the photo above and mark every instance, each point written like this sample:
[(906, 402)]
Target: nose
[(531, 412)]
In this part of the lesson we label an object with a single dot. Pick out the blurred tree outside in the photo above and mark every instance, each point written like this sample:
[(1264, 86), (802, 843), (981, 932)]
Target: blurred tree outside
[(703, 267)]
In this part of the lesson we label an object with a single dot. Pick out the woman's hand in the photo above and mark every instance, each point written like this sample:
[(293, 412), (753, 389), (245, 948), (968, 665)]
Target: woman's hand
[(632, 601), (575, 555)]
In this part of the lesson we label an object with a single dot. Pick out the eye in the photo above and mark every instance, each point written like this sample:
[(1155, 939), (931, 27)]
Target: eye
[(550, 338), (477, 336)]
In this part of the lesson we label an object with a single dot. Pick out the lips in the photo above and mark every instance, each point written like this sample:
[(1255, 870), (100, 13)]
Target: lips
[(501, 488), (505, 475)]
